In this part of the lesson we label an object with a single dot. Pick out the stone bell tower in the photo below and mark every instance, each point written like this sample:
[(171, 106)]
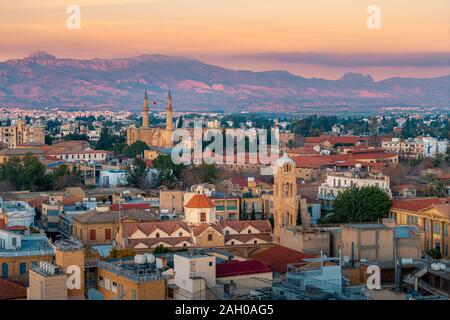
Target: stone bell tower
[(284, 196), (169, 115), (145, 119)]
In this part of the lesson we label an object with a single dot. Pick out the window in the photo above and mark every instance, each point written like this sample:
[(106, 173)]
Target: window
[(249, 231), (14, 241), (23, 268), (437, 228), (101, 282), (232, 242), (255, 242), (114, 287), (210, 264), (133, 294), (92, 235), (157, 235), (180, 234), (107, 234), (210, 237), (203, 216)]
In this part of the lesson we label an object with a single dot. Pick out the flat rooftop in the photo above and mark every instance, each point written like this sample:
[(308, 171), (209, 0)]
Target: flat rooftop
[(30, 246)]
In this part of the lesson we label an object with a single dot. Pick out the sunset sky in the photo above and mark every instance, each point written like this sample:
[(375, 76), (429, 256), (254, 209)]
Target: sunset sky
[(320, 38)]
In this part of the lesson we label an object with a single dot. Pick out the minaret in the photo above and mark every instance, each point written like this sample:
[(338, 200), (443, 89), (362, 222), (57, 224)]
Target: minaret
[(145, 120), (169, 116)]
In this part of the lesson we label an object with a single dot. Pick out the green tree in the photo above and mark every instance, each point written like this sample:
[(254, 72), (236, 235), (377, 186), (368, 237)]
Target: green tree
[(136, 149), (180, 122), (63, 177), (168, 172), (365, 204), (26, 174), (136, 173)]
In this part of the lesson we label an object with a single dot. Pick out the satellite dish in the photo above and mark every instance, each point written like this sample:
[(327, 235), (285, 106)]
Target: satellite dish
[(346, 259)]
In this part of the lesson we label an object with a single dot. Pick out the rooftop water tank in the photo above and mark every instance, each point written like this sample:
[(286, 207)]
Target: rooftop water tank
[(140, 259)]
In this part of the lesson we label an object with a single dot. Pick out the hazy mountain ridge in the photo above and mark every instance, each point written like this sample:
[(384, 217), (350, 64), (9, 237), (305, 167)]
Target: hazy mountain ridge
[(42, 80)]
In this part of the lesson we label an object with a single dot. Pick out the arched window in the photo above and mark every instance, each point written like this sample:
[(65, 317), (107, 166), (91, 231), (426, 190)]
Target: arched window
[(4, 270), (157, 234)]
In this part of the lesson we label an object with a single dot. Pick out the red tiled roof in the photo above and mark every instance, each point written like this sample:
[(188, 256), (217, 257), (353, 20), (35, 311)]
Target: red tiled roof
[(200, 201), (17, 228), (10, 290), (129, 206), (334, 140), (150, 242), (62, 152), (37, 202), (243, 182), (417, 204), (148, 227), (240, 268), (245, 237), (312, 162), (318, 139), (198, 230), (261, 225), (445, 176), (278, 257), (71, 200)]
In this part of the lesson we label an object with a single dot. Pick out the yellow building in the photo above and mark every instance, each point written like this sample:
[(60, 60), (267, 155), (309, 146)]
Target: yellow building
[(7, 154), (18, 253), (47, 282), (431, 215), (22, 134), (124, 280)]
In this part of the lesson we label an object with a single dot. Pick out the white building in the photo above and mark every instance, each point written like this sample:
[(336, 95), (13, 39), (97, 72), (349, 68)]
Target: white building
[(432, 146), (337, 182), (200, 209), (194, 274), (17, 213), (112, 177)]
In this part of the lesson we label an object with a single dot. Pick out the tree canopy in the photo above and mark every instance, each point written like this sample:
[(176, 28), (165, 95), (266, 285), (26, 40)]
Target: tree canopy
[(136, 174), (365, 204)]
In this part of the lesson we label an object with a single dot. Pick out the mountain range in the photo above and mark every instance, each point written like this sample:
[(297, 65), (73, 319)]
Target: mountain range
[(43, 80)]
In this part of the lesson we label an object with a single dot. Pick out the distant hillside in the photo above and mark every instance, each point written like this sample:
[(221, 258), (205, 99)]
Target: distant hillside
[(42, 80)]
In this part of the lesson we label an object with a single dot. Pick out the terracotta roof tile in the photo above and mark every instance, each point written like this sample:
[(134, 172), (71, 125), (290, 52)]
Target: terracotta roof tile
[(11, 290), (267, 237), (239, 268), (200, 201), (150, 242), (417, 204), (278, 257), (148, 227), (261, 225), (198, 230)]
